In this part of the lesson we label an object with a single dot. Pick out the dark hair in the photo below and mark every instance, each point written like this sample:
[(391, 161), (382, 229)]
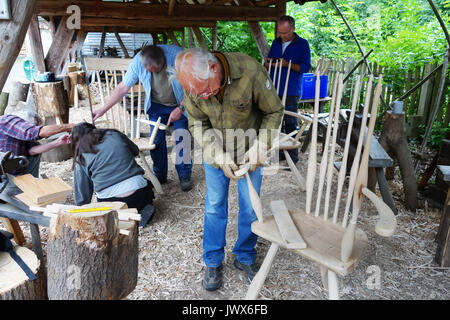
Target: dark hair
[(287, 19), (152, 56), (85, 137)]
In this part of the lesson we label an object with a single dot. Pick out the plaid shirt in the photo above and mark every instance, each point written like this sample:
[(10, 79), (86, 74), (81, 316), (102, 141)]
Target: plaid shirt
[(17, 135), (250, 102)]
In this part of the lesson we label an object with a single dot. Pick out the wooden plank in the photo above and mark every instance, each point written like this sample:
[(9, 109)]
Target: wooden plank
[(12, 33), (42, 190), (159, 12), (98, 64), (87, 22), (424, 91), (286, 225), (58, 50)]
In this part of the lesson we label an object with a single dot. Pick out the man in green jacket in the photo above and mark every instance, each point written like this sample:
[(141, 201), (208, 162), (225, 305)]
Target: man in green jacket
[(231, 105)]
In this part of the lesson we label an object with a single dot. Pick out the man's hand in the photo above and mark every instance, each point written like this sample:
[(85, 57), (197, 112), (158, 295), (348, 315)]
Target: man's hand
[(257, 155), (98, 113), (64, 139), (284, 63), (227, 165), (174, 115)]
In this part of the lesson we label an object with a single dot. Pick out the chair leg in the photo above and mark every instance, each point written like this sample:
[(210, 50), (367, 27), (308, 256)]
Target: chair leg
[(324, 275), (152, 177), (298, 176), (333, 291), (260, 277)]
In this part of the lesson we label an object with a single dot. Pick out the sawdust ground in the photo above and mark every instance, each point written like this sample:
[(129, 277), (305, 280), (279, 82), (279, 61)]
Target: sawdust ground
[(170, 248)]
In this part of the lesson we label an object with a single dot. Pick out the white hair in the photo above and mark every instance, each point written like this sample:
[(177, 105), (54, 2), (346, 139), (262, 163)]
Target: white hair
[(26, 114), (195, 61)]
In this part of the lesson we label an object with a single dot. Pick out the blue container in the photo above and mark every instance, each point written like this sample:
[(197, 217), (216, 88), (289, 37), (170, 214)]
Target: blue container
[(309, 86)]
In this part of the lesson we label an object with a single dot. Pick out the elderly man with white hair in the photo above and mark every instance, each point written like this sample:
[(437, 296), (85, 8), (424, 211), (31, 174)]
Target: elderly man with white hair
[(19, 132), (228, 96)]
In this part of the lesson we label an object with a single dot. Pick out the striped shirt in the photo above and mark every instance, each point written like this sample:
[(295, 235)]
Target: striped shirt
[(17, 135)]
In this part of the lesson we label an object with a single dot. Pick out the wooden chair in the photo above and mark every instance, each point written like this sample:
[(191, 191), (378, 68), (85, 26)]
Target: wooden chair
[(118, 118), (336, 245)]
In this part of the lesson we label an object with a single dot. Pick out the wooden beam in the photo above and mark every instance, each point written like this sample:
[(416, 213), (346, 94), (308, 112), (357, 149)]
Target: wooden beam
[(173, 38), (37, 52), (112, 22), (191, 41), (122, 46), (12, 34), (200, 39), (102, 43), (214, 37), (98, 64), (260, 39), (171, 7), (122, 29), (132, 10), (59, 48)]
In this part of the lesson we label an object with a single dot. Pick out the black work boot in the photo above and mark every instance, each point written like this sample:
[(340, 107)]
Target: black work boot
[(213, 278), (185, 184), (249, 269), (146, 215)]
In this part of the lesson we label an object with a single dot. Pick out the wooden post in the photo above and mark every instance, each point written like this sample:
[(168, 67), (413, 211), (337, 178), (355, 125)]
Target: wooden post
[(37, 51), (102, 43), (442, 257), (191, 41), (122, 46), (14, 283), (200, 39), (51, 100), (393, 140), (260, 39), (88, 257), (12, 34), (214, 37), (58, 51)]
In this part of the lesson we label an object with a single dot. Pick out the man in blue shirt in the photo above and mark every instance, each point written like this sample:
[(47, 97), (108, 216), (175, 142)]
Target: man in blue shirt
[(289, 46), (164, 98)]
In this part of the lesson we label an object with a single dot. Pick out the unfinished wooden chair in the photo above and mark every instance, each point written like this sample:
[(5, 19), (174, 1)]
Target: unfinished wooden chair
[(119, 118), (325, 236)]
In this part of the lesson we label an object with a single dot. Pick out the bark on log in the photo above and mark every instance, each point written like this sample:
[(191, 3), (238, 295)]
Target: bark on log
[(14, 284), (88, 259), (393, 140), (51, 100), (19, 92)]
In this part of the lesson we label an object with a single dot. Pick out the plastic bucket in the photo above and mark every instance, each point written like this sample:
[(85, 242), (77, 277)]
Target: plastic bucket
[(309, 86)]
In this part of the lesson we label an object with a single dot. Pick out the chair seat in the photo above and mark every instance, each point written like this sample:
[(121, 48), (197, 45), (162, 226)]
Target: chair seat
[(323, 239)]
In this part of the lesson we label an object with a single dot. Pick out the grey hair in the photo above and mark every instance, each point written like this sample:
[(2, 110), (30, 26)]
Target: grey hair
[(26, 114), (195, 61), (152, 56), (287, 19)]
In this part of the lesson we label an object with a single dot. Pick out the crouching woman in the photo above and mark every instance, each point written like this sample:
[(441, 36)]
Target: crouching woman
[(103, 162)]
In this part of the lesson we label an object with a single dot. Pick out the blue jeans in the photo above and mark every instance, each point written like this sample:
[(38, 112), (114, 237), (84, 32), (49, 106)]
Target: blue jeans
[(159, 154), (216, 218), (290, 124)]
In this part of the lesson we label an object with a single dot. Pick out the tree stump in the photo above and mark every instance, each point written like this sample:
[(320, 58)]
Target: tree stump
[(14, 283), (87, 256), (393, 140), (51, 101)]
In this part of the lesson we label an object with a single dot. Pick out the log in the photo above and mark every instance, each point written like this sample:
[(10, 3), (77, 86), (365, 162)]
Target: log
[(88, 257), (12, 34), (14, 283), (19, 92), (393, 140), (51, 100), (3, 102)]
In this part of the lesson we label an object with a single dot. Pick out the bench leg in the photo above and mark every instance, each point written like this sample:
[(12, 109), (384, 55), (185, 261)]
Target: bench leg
[(384, 188)]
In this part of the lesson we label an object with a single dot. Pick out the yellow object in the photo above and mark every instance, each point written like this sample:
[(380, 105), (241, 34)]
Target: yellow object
[(90, 209)]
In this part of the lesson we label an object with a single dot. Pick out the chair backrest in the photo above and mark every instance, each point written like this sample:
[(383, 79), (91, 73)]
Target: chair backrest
[(320, 174), (115, 117)]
